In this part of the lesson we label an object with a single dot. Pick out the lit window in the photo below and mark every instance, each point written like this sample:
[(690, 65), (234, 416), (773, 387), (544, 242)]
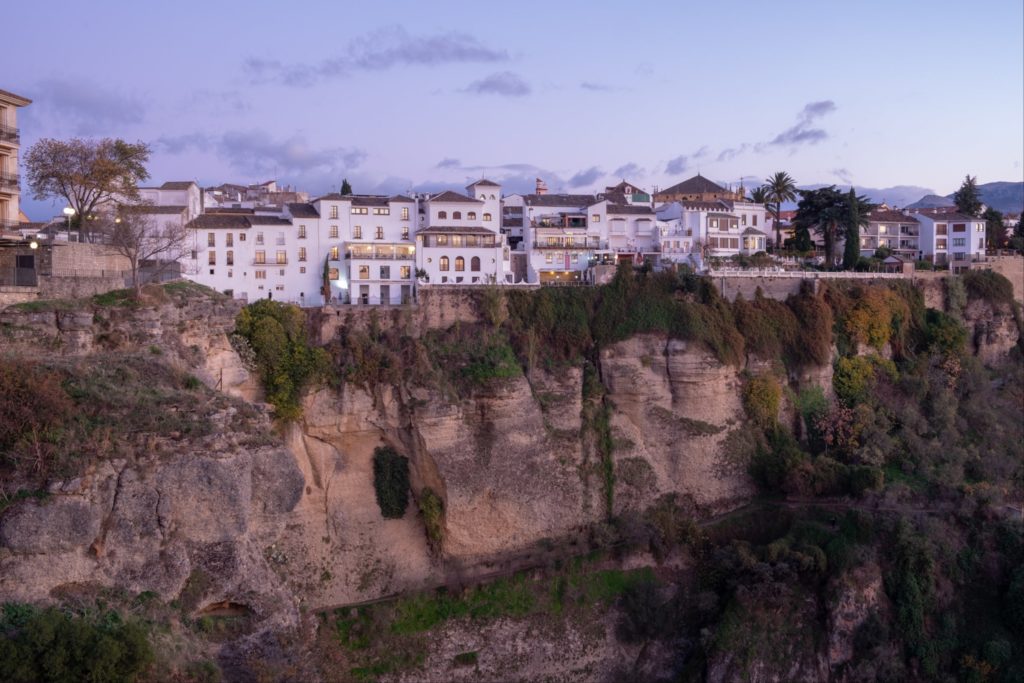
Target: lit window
[(594, 218), (302, 253), (405, 233), (211, 239), (282, 257), (333, 233), (405, 272), (261, 257), (443, 263), (364, 272), (405, 213), (261, 275), (230, 258), (212, 258), (487, 216), (471, 215), (357, 232), (334, 253), (334, 212), (360, 210), (460, 263), (230, 240), (382, 212), (302, 232)]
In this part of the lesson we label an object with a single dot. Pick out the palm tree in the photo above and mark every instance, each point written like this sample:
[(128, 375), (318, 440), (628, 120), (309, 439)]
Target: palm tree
[(779, 188), (759, 195)]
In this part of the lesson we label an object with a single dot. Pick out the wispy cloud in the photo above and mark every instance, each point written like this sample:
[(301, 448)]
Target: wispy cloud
[(586, 177), (448, 163), (86, 107), (599, 87), (257, 153), (385, 48), (630, 170), (683, 162), (504, 83), (803, 132)]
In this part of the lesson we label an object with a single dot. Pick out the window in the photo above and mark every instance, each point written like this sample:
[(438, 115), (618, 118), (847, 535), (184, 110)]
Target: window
[(230, 258), (195, 255), (282, 257), (334, 253), (471, 215), (385, 272), (442, 215), (261, 274), (981, 243), (405, 233), (212, 258), (940, 244), (357, 232), (456, 240), (959, 227), (211, 239), (474, 264), (302, 269), (379, 233), (594, 218), (940, 228), (230, 240), (743, 219), (487, 216), (714, 222), (241, 237), (755, 219), (442, 240), (261, 257), (302, 232), (333, 233), (460, 263), (882, 229), (364, 272), (405, 213), (302, 253), (443, 263), (548, 258), (259, 238), (456, 215), (405, 272), (279, 288), (360, 210), (333, 274), (334, 211), (382, 212), (959, 241)]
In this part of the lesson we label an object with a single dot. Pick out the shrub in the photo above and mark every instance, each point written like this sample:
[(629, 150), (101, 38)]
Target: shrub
[(988, 285), (53, 645), (645, 614), (944, 333), (878, 315), (35, 412), (391, 481), (773, 463), (813, 342), (761, 398), (285, 360), (853, 379), (432, 508)]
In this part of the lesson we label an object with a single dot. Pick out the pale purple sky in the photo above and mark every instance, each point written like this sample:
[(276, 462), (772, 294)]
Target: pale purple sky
[(413, 95)]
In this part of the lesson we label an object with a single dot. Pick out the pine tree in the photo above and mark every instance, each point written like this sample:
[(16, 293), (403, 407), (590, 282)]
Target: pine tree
[(345, 187), (966, 198), (851, 253)]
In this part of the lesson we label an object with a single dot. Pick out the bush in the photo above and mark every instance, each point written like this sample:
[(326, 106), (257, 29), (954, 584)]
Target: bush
[(853, 379), (391, 482), (52, 645), (988, 285), (432, 508), (761, 398), (285, 360), (944, 333), (772, 464), (645, 614), (35, 413)]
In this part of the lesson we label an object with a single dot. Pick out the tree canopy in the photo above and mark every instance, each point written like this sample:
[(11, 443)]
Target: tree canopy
[(86, 173), (967, 199), (346, 189), (832, 214)]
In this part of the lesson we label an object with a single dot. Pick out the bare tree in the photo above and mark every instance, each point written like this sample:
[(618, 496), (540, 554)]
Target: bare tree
[(147, 239), (87, 173)]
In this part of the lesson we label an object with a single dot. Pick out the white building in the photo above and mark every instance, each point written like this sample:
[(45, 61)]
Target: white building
[(460, 242), (10, 141), (950, 239), (897, 231), (559, 240), (184, 195)]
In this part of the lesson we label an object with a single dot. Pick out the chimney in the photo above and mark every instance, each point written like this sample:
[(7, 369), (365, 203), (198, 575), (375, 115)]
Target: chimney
[(542, 187)]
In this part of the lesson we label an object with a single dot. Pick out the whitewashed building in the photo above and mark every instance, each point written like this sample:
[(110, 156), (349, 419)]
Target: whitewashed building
[(460, 241), (949, 239)]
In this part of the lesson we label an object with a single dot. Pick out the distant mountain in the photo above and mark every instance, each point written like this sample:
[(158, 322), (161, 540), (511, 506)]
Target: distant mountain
[(1001, 196)]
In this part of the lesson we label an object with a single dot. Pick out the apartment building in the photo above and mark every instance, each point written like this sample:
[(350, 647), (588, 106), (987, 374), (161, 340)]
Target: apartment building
[(459, 241), (897, 231), (950, 239), (10, 142)]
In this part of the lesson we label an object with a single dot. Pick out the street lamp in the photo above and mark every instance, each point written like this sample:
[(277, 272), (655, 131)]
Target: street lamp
[(69, 212)]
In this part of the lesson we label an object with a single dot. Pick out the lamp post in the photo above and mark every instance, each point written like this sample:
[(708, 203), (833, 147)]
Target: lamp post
[(68, 213)]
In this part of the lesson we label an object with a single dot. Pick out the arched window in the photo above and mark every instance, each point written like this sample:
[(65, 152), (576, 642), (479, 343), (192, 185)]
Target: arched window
[(456, 215), (487, 216), (471, 215), (460, 263), (443, 263), (474, 264), (442, 215)]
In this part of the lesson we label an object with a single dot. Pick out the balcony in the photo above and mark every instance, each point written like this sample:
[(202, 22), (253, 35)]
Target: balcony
[(9, 224), (10, 181), (570, 246), (10, 135), (380, 254)]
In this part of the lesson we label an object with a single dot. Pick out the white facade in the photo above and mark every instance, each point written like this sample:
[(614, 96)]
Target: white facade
[(184, 194), (460, 242), (559, 238), (950, 239)]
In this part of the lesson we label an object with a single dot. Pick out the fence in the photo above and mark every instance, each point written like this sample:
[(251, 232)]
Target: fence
[(805, 274), (18, 277)]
